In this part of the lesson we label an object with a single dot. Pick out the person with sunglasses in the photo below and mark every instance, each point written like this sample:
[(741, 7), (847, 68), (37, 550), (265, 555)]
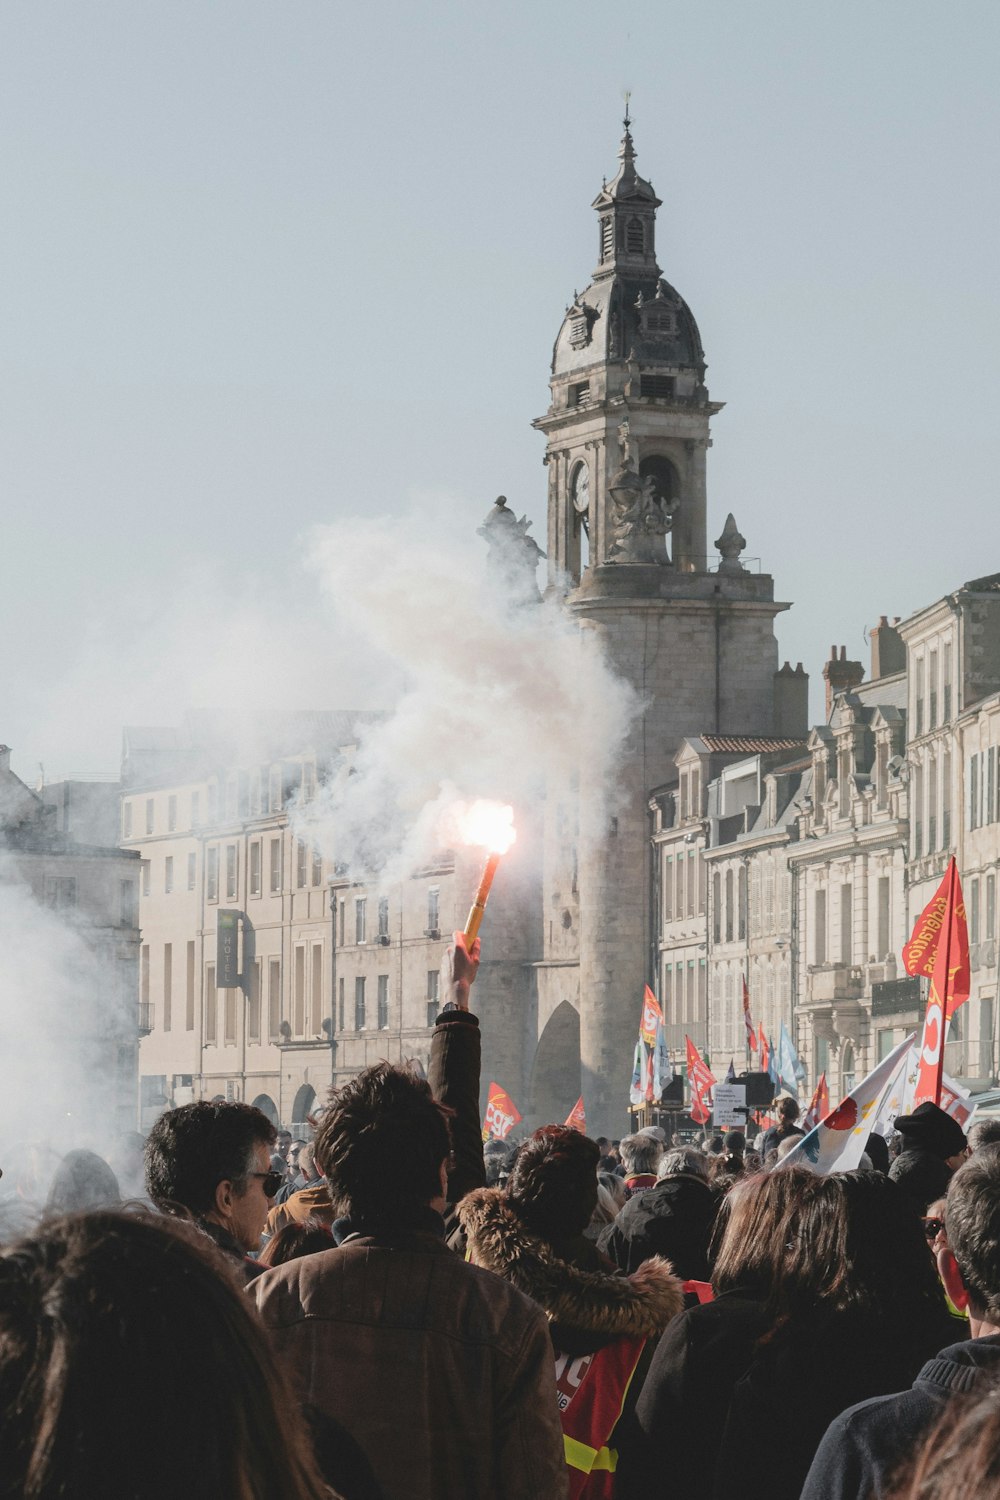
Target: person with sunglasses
[(211, 1162)]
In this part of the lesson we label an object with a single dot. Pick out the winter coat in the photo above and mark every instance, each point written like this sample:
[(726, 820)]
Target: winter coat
[(865, 1444), (442, 1372), (922, 1176), (312, 1202), (586, 1308), (673, 1219), (721, 1375)]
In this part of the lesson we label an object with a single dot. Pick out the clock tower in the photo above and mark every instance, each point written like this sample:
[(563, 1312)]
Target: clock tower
[(627, 437)]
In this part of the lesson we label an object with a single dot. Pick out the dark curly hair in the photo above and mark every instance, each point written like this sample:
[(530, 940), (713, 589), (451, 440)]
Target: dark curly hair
[(131, 1364), (380, 1144), (553, 1182), (192, 1149)]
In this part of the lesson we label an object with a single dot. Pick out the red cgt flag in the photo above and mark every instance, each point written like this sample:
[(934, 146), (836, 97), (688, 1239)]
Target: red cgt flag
[(701, 1081), (502, 1114), (939, 947), (652, 1016), (751, 1034), (577, 1117), (765, 1051)]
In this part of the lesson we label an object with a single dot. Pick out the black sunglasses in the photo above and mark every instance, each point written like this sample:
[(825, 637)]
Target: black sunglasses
[(932, 1227), (272, 1182)]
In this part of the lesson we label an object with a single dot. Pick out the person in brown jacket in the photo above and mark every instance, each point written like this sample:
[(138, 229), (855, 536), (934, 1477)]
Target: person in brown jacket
[(441, 1371)]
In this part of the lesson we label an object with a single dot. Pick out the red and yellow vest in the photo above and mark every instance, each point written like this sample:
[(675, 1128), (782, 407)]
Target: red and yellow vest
[(592, 1391)]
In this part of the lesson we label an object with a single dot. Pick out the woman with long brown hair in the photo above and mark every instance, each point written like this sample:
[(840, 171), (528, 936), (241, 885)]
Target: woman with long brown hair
[(132, 1366)]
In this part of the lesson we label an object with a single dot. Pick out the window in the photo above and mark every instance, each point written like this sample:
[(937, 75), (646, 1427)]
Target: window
[(680, 867), (819, 937), (253, 1003), (657, 387), (884, 944), (127, 891), (433, 995), (946, 799), (918, 810), (213, 802), (972, 910), (383, 1002), (668, 888), (230, 1016), (308, 782), (918, 693), (274, 998), (932, 804), (168, 874), (144, 869), (274, 789), (299, 993), (341, 924), (145, 1018), (846, 924), (433, 910), (195, 809), (932, 690), (359, 1003), (946, 682), (974, 791), (150, 805), (579, 394), (211, 1006), (716, 907), (383, 917), (729, 906), (340, 1005), (692, 882), (301, 863), (171, 813), (212, 873), (360, 907), (126, 820), (317, 867), (230, 872), (275, 866), (607, 238), (991, 907), (60, 892), (189, 989), (254, 877), (317, 989), (635, 239), (741, 897), (847, 1074)]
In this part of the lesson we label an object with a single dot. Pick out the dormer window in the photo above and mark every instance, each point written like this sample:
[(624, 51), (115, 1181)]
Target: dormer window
[(581, 321), (635, 237), (658, 321)]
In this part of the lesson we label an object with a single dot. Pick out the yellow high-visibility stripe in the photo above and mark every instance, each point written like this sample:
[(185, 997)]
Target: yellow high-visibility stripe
[(580, 1456)]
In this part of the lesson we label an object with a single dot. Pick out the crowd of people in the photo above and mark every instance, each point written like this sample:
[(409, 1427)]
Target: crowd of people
[(393, 1309)]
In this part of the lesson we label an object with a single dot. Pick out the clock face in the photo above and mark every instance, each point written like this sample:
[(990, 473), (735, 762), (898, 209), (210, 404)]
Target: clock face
[(580, 489)]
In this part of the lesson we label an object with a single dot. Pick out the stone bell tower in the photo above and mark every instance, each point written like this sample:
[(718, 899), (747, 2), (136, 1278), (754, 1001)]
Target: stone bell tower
[(627, 434)]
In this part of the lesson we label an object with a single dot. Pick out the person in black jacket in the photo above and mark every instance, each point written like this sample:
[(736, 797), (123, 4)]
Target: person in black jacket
[(934, 1146), (824, 1288), (674, 1219), (866, 1444)]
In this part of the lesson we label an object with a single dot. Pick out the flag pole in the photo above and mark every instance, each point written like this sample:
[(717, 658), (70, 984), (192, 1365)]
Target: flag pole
[(950, 907)]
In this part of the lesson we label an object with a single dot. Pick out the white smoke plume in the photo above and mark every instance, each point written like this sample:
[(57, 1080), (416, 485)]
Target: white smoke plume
[(500, 699)]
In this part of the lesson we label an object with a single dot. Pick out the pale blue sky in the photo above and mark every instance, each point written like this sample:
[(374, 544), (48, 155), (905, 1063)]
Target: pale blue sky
[(263, 264)]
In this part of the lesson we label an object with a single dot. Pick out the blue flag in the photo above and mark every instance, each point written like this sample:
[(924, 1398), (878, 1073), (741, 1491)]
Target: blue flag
[(788, 1064)]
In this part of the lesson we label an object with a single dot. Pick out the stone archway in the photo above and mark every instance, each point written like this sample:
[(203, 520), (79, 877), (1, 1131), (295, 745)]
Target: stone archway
[(555, 1073), (305, 1103), (267, 1106)]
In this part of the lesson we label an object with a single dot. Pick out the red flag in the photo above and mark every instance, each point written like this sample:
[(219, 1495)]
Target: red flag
[(577, 1117), (765, 1051), (502, 1114), (701, 1081), (819, 1108), (939, 946), (751, 1035), (652, 1016)]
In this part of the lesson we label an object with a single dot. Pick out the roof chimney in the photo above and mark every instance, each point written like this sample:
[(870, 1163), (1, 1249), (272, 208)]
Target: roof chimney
[(840, 676), (888, 649)]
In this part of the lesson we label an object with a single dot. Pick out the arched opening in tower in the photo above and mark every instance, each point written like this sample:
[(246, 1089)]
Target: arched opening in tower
[(555, 1073)]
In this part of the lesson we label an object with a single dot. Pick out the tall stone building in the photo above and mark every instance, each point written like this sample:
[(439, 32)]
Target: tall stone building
[(627, 434)]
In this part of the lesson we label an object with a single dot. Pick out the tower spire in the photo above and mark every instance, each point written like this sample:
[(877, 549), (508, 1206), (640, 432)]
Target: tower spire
[(626, 151)]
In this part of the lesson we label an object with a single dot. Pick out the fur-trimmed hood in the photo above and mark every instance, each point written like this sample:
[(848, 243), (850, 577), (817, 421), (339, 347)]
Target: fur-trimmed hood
[(640, 1305)]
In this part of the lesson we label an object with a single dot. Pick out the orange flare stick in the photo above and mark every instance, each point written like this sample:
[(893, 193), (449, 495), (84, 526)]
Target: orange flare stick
[(479, 904)]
